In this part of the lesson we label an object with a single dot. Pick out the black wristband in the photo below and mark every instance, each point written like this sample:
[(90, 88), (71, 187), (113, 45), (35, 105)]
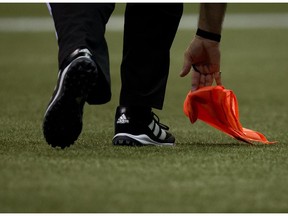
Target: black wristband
[(208, 35)]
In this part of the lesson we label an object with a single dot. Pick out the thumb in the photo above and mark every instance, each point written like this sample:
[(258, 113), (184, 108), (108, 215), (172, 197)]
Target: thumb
[(186, 67), (185, 70)]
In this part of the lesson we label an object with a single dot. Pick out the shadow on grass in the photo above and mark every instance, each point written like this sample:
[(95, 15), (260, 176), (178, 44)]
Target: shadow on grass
[(224, 145)]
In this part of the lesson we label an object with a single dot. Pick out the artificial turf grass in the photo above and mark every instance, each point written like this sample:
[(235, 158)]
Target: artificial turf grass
[(205, 172), (104, 178), (186, 178)]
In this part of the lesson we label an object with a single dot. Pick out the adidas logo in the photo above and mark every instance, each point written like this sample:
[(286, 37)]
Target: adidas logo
[(122, 119)]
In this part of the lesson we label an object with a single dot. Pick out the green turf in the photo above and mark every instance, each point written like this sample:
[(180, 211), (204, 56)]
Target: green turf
[(206, 171), (40, 9)]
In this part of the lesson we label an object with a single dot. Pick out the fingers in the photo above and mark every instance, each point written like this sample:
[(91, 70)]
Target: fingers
[(196, 80), (209, 79), (202, 79)]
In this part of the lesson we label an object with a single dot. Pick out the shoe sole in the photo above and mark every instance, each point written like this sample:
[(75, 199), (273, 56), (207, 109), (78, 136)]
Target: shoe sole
[(63, 118), (125, 139)]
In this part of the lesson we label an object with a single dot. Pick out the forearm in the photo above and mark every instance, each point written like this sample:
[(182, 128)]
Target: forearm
[(211, 17)]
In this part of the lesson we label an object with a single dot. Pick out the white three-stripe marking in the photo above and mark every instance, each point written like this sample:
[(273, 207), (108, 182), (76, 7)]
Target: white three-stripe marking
[(157, 130)]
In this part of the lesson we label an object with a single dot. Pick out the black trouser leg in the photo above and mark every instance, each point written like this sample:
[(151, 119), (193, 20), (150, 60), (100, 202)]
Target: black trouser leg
[(148, 35), (83, 25)]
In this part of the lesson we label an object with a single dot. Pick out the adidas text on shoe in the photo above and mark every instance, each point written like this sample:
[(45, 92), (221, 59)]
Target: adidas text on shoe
[(63, 117), (133, 130), (122, 119)]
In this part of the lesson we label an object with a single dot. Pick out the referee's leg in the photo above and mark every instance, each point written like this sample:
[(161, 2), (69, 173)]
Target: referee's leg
[(148, 35), (83, 69), (81, 25)]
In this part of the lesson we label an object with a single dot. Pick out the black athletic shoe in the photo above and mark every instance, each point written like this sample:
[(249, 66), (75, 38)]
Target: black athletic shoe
[(63, 118), (137, 130)]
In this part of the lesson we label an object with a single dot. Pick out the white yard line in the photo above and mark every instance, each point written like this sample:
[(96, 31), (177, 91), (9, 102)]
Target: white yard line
[(232, 21)]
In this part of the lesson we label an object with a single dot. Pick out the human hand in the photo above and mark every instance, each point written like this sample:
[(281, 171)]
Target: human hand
[(203, 56)]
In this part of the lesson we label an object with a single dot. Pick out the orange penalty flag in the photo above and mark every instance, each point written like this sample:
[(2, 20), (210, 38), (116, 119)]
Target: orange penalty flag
[(218, 107)]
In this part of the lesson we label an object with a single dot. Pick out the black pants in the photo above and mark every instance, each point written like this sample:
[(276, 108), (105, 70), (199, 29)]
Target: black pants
[(149, 31)]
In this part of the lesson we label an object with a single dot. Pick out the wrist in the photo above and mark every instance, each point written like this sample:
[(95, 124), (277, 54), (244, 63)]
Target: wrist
[(208, 35)]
